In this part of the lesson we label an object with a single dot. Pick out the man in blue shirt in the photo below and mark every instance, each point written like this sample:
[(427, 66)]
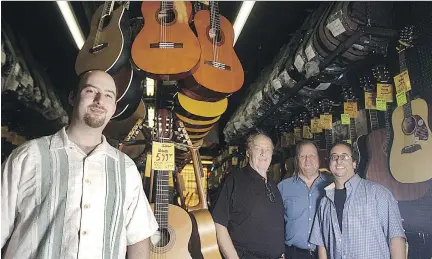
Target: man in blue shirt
[(301, 195)]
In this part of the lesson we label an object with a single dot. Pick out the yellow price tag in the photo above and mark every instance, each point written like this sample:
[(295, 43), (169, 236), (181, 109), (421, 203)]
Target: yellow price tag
[(370, 101), (351, 109), (312, 126), (345, 118), (402, 82), (231, 149), (234, 161), (290, 138), (307, 132), (381, 105), (349, 141), (318, 128), (148, 167), (401, 98), (163, 156), (385, 92), (170, 180), (326, 121), (297, 134)]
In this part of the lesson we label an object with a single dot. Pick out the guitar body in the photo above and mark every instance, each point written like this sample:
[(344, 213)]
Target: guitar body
[(210, 82), (199, 110), (166, 63), (203, 241), (411, 165), (129, 92), (378, 170), (115, 53), (179, 229), (363, 155)]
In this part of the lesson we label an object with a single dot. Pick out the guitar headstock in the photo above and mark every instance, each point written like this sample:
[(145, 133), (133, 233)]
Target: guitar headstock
[(326, 105), (366, 83), (381, 73), (348, 94), (163, 125), (406, 38)]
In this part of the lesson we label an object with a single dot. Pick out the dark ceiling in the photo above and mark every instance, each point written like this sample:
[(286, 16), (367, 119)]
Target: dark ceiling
[(270, 25)]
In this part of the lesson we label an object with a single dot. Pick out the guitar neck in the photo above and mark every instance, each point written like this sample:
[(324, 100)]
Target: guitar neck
[(353, 130), (162, 199), (214, 16), (403, 66), (328, 139), (167, 5), (196, 160), (373, 117)]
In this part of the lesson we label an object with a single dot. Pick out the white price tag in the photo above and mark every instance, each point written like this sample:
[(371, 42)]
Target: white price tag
[(310, 53), (336, 27), (323, 86), (299, 63)]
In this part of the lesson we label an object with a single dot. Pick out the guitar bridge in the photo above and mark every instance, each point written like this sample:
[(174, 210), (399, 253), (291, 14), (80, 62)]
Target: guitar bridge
[(98, 48), (166, 45), (217, 65), (411, 149)]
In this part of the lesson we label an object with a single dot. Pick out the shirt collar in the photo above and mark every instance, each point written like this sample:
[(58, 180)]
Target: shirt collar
[(321, 177), (253, 173), (350, 185), (60, 140)]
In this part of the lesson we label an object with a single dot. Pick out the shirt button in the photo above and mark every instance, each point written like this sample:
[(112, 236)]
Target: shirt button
[(84, 232), (309, 218), (308, 244), (87, 181), (310, 207), (86, 206), (310, 194)]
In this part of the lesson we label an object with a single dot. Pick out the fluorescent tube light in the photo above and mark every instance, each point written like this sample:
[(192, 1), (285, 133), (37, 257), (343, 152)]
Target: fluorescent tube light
[(242, 16), (72, 23)]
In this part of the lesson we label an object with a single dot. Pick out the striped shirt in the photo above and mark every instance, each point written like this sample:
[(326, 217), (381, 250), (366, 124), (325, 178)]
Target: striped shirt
[(370, 220), (58, 202)]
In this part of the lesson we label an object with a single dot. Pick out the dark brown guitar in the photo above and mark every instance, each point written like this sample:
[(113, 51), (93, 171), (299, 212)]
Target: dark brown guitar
[(107, 46)]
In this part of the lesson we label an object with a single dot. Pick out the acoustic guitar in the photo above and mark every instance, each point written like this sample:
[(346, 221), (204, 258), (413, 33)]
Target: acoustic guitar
[(175, 227), (412, 145), (166, 48), (220, 72), (107, 46), (203, 241), (376, 147)]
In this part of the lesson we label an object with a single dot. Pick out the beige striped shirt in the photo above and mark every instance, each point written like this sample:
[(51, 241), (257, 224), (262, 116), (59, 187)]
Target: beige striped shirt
[(57, 202)]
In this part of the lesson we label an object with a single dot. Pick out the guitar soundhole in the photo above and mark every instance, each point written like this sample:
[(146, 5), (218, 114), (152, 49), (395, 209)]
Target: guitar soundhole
[(105, 21), (215, 35), (408, 125), (166, 17), (161, 238)]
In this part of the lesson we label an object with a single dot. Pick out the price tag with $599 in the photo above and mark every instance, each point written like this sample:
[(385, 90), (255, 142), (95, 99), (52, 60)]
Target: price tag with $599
[(163, 156)]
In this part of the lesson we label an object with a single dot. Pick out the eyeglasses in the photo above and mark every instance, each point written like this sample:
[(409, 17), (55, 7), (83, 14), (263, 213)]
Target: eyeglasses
[(344, 157), (269, 193)]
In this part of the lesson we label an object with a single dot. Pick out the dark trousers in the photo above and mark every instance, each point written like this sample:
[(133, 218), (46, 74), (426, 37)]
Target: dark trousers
[(244, 254), (292, 252)]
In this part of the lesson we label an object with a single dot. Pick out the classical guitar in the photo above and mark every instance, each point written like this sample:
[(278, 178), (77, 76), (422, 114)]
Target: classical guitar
[(351, 99), (203, 241), (166, 48), (412, 145), (326, 108), (175, 226), (220, 72), (107, 46), (322, 151)]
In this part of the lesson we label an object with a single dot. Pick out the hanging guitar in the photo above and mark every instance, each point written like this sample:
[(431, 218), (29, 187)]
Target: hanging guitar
[(166, 48), (412, 145), (352, 110), (220, 72), (377, 143), (175, 227), (326, 108), (107, 46)]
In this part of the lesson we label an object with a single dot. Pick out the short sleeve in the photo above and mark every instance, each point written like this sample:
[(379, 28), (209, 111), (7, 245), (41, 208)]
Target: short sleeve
[(141, 222), (316, 236), (389, 215), (221, 211)]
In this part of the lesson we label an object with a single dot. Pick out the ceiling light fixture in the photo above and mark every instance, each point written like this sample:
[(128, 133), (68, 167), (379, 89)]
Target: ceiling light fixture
[(242, 16), (72, 23)]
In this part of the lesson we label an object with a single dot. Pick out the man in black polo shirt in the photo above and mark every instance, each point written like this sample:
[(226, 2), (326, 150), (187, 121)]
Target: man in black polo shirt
[(249, 213)]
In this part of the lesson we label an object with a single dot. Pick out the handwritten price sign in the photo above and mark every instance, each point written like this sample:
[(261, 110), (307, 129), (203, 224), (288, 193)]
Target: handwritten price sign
[(163, 156)]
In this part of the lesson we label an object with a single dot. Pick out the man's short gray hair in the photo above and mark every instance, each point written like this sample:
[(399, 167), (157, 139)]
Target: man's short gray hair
[(256, 133)]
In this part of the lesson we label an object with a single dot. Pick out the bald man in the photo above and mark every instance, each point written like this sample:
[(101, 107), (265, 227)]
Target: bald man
[(71, 194)]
